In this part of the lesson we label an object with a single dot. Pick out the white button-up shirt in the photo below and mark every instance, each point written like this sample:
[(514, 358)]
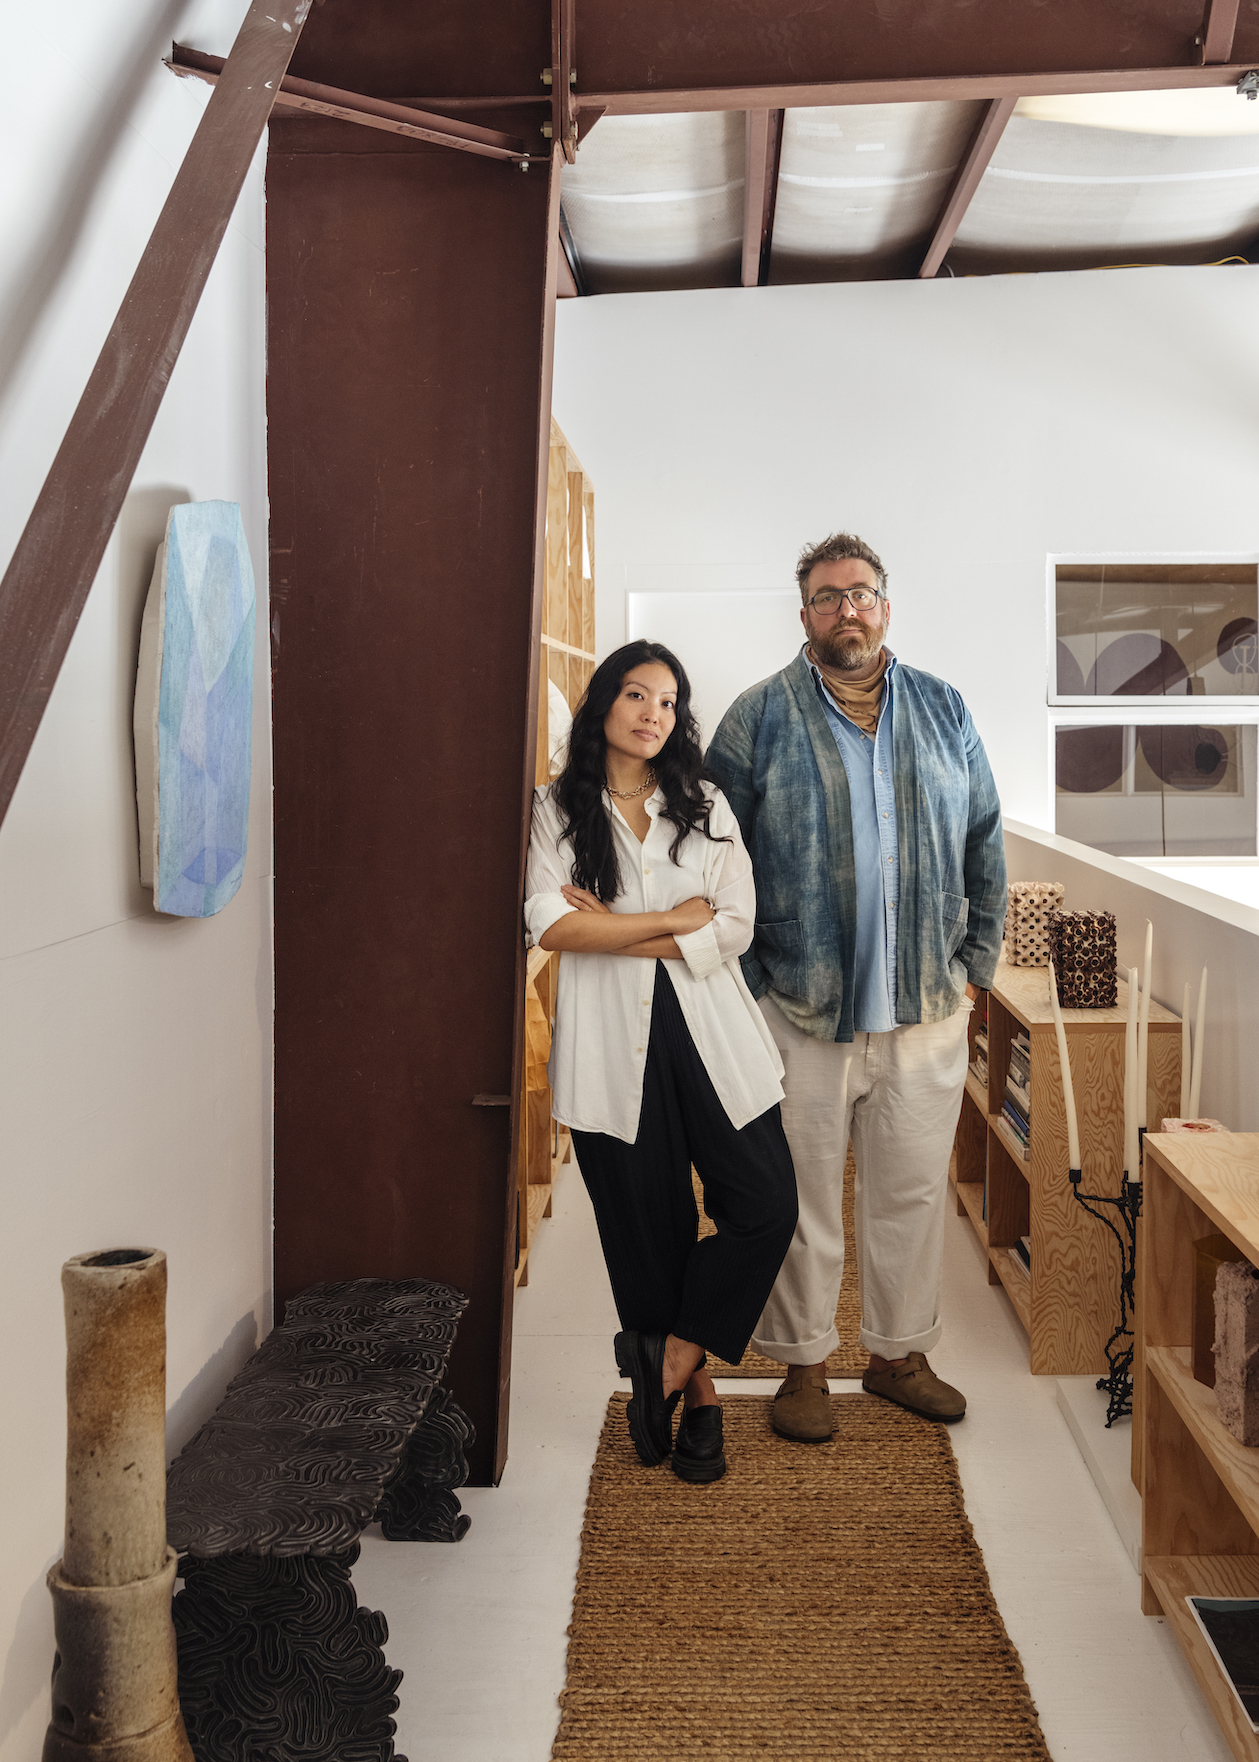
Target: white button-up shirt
[(603, 1004)]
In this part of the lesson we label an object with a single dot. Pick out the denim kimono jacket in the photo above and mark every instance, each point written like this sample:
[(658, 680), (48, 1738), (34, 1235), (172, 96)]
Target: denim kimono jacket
[(775, 758)]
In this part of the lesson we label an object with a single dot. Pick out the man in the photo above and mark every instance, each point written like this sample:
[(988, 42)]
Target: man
[(866, 802)]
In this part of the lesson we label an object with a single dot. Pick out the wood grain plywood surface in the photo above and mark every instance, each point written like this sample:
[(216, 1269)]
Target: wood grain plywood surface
[(1025, 993), (1220, 1172), (1175, 1577), (1236, 1466)]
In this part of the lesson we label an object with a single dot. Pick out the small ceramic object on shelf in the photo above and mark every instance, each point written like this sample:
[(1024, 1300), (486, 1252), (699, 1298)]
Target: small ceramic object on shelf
[(1027, 921), (1237, 1350), (1082, 948), (1192, 1126)]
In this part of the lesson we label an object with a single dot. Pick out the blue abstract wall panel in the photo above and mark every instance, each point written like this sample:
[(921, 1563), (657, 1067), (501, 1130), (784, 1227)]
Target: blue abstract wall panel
[(194, 712)]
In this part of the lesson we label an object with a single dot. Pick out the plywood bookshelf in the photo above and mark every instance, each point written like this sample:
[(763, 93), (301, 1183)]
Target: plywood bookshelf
[(568, 659), (1068, 1304), (1200, 1487)]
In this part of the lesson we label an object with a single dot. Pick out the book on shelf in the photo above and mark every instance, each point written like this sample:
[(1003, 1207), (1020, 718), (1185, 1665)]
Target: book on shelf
[(1019, 1099), (1017, 1126), (1022, 1252), (1231, 1626), (1016, 1262), (1016, 1106), (979, 1070)]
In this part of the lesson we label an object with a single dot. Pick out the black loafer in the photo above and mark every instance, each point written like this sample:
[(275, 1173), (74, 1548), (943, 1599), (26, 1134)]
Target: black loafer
[(698, 1454), (640, 1357)]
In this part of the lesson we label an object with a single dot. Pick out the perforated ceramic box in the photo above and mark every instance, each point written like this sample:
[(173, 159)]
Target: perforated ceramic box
[(1027, 921), (1082, 949)]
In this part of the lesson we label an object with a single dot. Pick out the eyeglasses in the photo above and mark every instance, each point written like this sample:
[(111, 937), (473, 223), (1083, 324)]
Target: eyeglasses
[(831, 599)]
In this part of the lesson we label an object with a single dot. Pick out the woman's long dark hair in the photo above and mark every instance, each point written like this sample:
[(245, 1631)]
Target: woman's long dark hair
[(678, 765)]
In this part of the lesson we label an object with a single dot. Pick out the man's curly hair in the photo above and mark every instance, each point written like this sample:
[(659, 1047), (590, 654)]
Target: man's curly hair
[(833, 550)]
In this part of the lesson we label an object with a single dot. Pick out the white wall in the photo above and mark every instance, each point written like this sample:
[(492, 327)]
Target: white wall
[(1193, 928), (966, 428), (135, 1051)]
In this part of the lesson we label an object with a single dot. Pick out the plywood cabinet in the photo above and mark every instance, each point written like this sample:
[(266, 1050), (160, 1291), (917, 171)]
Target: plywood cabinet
[(568, 660), (1069, 1301), (1200, 1487)]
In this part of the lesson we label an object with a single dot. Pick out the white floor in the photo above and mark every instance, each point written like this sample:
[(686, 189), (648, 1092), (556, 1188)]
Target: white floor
[(479, 1628)]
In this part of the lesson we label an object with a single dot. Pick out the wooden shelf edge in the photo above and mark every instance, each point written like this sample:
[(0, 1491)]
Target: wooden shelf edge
[(1023, 992), (1175, 1577), (566, 648), (1018, 1289), (971, 1194), (539, 1199), (1021, 1159), (977, 1092), (1235, 1464)]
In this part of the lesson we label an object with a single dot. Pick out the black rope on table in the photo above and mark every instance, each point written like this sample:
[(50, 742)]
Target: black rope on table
[(339, 1419), (1126, 1206)]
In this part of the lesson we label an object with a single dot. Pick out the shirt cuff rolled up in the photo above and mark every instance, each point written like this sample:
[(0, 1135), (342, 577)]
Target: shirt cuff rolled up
[(699, 950), (541, 911)]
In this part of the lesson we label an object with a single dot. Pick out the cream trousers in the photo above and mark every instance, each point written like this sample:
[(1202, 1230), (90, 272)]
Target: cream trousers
[(897, 1095)]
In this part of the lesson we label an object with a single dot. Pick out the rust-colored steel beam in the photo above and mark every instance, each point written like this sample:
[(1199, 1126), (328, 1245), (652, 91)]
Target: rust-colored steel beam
[(51, 572), (760, 192), (661, 101), (764, 54), (1215, 43), (966, 181), (398, 119), (563, 77)]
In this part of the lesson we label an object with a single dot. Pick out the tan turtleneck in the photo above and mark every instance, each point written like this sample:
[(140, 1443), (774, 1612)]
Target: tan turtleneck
[(858, 700)]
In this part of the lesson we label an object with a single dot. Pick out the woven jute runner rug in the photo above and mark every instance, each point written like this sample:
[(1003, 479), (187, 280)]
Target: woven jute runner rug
[(850, 1358), (821, 1602)]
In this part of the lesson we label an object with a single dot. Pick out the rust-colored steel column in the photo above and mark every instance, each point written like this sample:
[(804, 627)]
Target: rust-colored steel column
[(411, 298)]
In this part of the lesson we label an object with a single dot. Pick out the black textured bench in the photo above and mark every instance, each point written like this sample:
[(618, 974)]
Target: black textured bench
[(337, 1421)]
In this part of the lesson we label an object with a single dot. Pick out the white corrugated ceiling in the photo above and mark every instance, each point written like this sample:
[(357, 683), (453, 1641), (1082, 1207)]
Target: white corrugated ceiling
[(657, 201)]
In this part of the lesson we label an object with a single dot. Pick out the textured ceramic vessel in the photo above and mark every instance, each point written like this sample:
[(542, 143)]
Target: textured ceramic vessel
[(114, 1686)]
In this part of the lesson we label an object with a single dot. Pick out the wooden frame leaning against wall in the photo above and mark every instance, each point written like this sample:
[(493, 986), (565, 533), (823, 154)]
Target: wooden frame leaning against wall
[(568, 641)]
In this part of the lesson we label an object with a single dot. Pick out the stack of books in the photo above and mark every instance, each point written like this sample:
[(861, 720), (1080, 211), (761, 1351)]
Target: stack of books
[(979, 1055), (1016, 1108)]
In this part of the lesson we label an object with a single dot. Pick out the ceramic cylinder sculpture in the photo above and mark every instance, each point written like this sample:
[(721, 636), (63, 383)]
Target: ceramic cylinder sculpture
[(1027, 921), (114, 1687), (1082, 949)]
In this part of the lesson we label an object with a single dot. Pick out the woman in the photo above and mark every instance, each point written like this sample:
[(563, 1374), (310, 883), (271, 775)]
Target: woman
[(660, 1057)]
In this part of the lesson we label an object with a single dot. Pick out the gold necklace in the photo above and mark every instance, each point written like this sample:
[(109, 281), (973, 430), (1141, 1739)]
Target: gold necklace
[(629, 794)]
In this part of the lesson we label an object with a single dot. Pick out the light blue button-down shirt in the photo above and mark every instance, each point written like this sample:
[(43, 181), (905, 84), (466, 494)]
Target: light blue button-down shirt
[(876, 856)]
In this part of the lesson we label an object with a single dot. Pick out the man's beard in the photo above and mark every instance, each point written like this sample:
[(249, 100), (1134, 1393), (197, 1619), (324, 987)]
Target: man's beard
[(848, 647)]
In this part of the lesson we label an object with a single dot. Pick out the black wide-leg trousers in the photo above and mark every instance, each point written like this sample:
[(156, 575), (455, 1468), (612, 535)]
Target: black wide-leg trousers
[(663, 1280)]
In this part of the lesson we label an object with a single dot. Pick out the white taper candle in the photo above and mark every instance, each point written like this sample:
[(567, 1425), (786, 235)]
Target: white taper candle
[(1143, 1032), (1184, 1057), (1068, 1093), (1199, 1034), (1130, 1140)]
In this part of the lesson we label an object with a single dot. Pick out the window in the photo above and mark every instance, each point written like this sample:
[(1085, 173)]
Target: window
[(1156, 630), (1182, 639), (1177, 789)]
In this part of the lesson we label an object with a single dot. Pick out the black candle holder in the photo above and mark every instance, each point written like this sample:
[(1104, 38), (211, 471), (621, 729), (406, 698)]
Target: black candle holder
[(1116, 1210)]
